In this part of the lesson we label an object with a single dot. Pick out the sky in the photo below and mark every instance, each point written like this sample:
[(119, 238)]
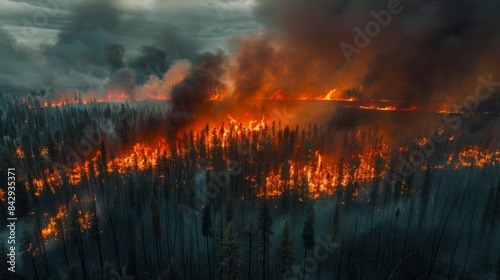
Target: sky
[(425, 52), (49, 43)]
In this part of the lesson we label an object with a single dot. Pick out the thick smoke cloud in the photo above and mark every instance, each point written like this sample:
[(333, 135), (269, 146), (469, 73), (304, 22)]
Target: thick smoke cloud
[(122, 80), (431, 51), (82, 45), (114, 56), (152, 61), (95, 43), (204, 78)]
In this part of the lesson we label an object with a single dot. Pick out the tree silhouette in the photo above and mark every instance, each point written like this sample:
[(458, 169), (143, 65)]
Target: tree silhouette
[(207, 231), (265, 223), (229, 252), (308, 233), (284, 250)]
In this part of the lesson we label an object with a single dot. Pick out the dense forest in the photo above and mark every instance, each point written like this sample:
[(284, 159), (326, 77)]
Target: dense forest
[(120, 191)]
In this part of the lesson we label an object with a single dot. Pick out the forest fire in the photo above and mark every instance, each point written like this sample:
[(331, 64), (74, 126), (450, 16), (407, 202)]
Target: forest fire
[(388, 108), (144, 156), (260, 140), (331, 95), (52, 228), (322, 173)]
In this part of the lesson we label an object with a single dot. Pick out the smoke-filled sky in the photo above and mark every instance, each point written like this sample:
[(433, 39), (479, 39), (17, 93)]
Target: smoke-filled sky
[(59, 43), (429, 50)]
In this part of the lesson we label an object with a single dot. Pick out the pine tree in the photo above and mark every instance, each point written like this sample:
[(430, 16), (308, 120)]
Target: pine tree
[(74, 272), (353, 271), (27, 249), (265, 223), (284, 250), (497, 269), (155, 219), (308, 233), (229, 252), (131, 263), (108, 271), (95, 234), (378, 168), (229, 210), (250, 232), (207, 231), (335, 225), (285, 186), (172, 272)]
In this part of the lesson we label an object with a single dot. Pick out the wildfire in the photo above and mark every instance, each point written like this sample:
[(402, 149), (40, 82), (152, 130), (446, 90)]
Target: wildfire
[(85, 220), (321, 174), (388, 108), (473, 156), (253, 125), (215, 97), (331, 95), (19, 152), (52, 229)]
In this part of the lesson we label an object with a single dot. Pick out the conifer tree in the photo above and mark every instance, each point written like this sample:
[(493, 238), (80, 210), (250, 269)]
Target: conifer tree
[(265, 223), (155, 219), (207, 231), (230, 265), (335, 224), (27, 249), (284, 250), (308, 233), (250, 233)]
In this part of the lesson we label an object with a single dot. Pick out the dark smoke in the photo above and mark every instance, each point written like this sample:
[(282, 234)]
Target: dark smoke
[(114, 56), (152, 61), (204, 78), (432, 51), (81, 46), (177, 46), (95, 41), (122, 80)]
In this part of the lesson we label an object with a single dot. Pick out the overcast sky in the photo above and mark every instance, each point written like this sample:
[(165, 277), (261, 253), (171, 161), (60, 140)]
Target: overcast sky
[(60, 42)]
